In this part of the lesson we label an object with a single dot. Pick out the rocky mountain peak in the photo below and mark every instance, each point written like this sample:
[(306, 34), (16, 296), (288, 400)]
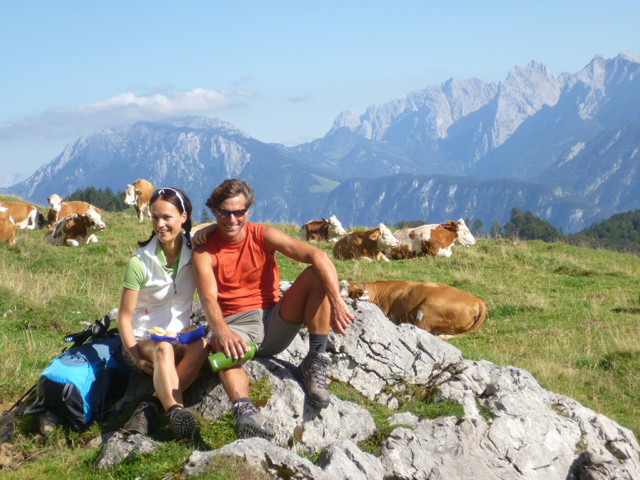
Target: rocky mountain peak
[(525, 91), (629, 56), (198, 122), (526, 71), (347, 118)]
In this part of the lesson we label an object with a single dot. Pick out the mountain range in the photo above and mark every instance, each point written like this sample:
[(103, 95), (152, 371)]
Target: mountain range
[(565, 148)]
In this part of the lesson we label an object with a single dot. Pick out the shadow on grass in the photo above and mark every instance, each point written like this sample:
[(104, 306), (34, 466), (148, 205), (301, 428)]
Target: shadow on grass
[(634, 311)]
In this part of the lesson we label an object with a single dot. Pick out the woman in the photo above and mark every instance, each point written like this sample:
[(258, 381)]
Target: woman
[(157, 291)]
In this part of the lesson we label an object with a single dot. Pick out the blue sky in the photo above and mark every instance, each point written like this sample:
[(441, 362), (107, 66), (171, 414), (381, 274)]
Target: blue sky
[(280, 70)]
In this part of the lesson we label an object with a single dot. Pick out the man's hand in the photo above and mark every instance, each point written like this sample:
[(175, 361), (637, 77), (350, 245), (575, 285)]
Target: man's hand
[(341, 316), (232, 344), (202, 236)]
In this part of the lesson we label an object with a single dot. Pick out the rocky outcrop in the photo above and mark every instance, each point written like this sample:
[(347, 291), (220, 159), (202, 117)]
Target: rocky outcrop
[(511, 427), (120, 447)]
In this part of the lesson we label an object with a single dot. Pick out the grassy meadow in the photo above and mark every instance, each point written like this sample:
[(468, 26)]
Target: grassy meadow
[(568, 315)]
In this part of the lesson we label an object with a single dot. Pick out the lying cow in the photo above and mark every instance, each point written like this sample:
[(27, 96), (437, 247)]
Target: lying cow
[(74, 230), (431, 240), (60, 209), (22, 215), (138, 195), (322, 230), (366, 244), (7, 231), (434, 307)]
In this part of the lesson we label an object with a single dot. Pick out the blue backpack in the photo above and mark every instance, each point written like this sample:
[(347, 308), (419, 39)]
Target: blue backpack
[(76, 384)]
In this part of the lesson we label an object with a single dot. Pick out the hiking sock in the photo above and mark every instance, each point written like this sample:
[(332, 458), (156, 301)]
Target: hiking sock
[(173, 410), (241, 400), (318, 343)]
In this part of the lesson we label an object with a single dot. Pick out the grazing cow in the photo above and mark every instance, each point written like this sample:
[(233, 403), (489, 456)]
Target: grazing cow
[(22, 215), (367, 244), (60, 209), (74, 230), (7, 231), (322, 230), (432, 240), (138, 195), (434, 307)]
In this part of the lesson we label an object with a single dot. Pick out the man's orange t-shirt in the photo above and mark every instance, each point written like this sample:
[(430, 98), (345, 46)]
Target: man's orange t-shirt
[(246, 273)]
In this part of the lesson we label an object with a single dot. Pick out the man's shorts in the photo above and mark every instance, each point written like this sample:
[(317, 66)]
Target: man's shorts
[(264, 327)]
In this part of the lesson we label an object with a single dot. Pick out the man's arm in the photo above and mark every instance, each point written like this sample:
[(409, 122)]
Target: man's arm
[(277, 240), (231, 342)]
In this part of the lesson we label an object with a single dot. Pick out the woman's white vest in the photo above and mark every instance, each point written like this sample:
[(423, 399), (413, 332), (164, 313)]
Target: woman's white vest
[(161, 301)]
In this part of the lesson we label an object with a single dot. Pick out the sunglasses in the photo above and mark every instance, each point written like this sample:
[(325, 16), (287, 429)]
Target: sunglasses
[(236, 213)]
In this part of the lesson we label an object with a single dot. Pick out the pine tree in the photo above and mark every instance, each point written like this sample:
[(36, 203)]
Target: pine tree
[(206, 218), (495, 229), (478, 228)]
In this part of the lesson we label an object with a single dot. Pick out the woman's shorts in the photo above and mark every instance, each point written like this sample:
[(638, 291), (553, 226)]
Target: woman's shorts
[(264, 328)]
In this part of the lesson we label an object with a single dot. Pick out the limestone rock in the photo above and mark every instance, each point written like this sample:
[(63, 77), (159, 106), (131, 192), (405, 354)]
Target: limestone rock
[(291, 417), (262, 454), (344, 460), (121, 446), (377, 353), (511, 429)]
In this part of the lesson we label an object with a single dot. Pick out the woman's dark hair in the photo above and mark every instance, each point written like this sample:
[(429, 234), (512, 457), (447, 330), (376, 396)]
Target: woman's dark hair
[(228, 189), (178, 199)]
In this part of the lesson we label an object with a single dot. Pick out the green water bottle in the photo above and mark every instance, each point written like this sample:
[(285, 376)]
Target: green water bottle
[(220, 361)]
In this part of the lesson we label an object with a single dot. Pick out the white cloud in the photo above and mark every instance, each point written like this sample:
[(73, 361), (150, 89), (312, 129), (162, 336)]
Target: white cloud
[(249, 77), (300, 98), (125, 108), (244, 93)]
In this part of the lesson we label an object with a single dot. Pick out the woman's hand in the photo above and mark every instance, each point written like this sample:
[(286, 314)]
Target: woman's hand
[(145, 365), (202, 236)]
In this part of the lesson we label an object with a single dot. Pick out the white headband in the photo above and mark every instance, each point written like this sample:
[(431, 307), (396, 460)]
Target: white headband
[(161, 192)]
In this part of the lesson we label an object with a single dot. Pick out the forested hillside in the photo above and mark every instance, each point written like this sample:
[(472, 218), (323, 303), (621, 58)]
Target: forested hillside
[(104, 200), (621, 232)]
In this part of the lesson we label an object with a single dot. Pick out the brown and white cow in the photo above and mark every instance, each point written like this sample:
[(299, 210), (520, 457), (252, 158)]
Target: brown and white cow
[(138, 195), (431, 240), (7, 231), (322, 230), (366, 244), (60, 209), (434, 307), (22, 215), (74, 230)]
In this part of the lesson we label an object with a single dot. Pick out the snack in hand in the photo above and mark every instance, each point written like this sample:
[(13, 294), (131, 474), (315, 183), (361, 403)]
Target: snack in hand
[(171, 334)]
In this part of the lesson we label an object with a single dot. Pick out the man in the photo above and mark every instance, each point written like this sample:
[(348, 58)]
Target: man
[(238, 284)]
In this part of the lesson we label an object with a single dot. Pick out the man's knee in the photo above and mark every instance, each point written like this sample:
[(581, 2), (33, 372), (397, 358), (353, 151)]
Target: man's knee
[(311, 279)]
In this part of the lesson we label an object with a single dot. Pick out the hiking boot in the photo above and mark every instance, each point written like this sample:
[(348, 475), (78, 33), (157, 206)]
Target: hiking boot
[(141, 420), (48, 422), (183, 425), (250, 422), (312, 372)]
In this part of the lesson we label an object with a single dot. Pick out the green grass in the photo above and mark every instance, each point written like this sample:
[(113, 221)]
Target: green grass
[(566, 314)]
